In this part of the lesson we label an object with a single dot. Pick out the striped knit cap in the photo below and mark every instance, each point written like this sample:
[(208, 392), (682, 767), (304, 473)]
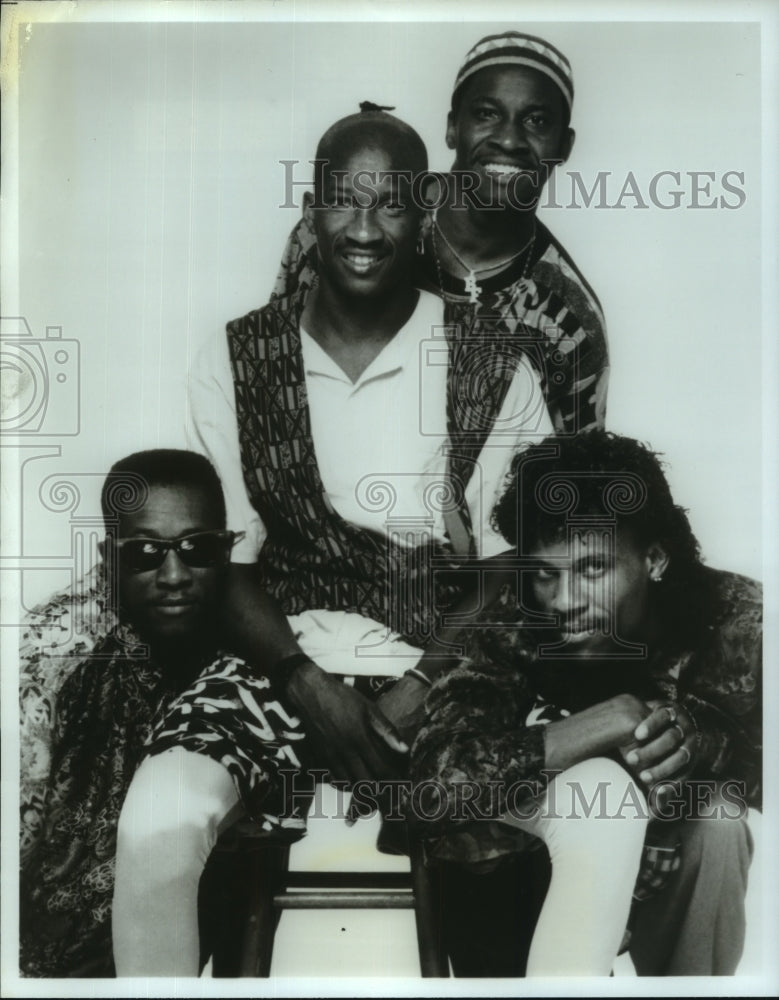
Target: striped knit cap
[(513, 48)]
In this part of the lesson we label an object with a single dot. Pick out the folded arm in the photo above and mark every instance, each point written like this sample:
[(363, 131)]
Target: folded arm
[(475, 734)]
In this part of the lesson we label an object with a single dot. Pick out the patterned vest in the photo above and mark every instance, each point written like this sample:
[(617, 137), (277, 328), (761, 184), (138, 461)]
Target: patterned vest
[(312, 557)]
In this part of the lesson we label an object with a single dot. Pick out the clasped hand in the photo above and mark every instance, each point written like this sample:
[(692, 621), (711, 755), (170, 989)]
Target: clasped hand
[(664, 746)]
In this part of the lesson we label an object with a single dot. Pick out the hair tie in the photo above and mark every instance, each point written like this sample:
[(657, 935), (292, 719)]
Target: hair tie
[(368, 106)]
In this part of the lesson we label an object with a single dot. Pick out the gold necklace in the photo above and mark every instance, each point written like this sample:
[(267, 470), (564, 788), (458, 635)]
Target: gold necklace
[(471, 285)]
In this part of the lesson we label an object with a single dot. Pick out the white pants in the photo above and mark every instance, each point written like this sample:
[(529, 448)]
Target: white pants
[(593, 821), (179, 802)]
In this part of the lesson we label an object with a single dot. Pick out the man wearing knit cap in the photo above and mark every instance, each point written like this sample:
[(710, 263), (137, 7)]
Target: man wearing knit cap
[(508, 125), (509, 288), (503, 276)]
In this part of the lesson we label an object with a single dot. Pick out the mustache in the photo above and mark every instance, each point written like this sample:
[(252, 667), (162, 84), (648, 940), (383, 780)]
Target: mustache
[(585, 623)]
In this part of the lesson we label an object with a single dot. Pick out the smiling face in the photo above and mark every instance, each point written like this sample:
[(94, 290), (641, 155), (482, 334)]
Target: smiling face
[(598, 592), (174, 601), (367, 226), (509, 119)]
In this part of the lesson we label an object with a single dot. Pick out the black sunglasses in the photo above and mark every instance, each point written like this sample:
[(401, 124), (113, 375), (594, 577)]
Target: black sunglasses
[(200, 550)]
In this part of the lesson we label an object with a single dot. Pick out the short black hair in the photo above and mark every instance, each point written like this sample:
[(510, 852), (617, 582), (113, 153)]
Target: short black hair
[(373, 126), (127, 484)]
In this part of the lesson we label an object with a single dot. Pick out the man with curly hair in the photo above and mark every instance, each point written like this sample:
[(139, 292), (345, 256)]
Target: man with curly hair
[(608, 705)]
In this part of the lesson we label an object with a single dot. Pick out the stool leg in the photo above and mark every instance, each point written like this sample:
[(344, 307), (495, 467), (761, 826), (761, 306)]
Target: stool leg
[(265, 870), (433, 959), (223, 900)]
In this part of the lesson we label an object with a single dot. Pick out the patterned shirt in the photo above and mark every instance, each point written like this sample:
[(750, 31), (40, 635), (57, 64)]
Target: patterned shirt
[(88, 719), (477, 715)]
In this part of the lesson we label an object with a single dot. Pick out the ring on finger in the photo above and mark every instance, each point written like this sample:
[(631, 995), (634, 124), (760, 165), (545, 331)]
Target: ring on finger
[(689, 755), (682, 734), (672, 715)]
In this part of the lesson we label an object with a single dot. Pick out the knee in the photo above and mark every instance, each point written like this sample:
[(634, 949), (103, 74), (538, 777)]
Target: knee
[(597, 816), (167, 825), (161, 847), (601, 789)]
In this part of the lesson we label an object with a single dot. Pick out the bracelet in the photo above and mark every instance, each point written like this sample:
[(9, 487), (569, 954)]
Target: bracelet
[(286, 666), (413, 672)]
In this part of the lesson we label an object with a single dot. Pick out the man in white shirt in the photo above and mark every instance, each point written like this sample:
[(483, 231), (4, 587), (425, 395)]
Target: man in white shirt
[(381, 446), (361, 447)]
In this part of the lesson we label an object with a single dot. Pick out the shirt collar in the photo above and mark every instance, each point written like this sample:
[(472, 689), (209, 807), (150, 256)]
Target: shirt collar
[(399, 353)]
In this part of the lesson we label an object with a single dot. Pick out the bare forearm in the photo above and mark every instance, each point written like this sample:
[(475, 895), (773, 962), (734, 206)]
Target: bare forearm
[(595, 731), (254, 625), (474, 735), (347, 733)]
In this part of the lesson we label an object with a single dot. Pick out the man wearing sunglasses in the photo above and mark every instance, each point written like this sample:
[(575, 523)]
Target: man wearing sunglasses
[(155, 681)]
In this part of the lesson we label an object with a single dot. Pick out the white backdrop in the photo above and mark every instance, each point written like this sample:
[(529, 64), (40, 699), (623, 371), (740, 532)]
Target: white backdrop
[(141, 185), (150, 185)]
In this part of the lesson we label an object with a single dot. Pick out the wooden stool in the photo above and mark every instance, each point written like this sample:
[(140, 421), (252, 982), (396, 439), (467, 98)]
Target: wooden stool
[(247, 885)]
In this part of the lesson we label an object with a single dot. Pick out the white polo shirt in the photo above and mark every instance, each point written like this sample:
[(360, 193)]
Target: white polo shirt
[(381, 448)]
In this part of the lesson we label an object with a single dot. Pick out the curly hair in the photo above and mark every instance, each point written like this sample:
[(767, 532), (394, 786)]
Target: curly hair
[(601, 475)]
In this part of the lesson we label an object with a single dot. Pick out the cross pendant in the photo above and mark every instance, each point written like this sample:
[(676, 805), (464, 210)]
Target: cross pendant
[(471, 287)]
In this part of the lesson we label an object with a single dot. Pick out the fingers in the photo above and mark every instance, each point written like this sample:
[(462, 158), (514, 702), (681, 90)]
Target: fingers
[(673, 765), (351, 736), (361, 760), (649, 753), (361, 756), (359, 810), (330, 756), (662, 716), (384, 728), (375, 763), (365, 802), (379, 764), (667, 747)]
